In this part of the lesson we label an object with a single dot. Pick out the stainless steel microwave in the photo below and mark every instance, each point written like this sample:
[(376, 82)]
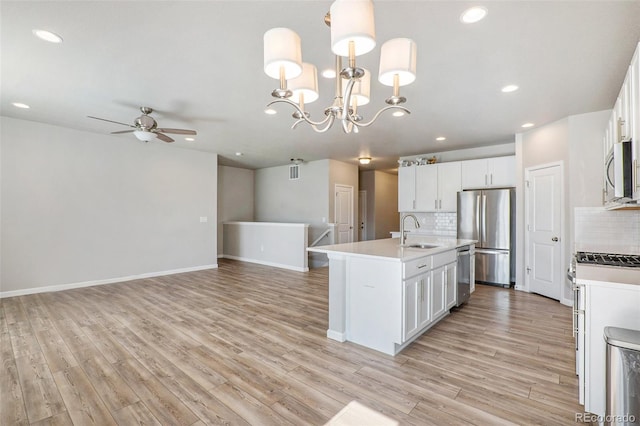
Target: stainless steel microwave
[(618, 174)]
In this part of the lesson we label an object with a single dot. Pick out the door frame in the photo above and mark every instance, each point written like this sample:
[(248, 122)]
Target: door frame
[(335, 208), (563, 236), (362, 214)]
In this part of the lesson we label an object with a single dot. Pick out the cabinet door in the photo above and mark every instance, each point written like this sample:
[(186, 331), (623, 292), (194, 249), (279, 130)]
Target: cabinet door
[(424, 304), (449, 183), (451, 284), (438, 292), (427, 188), (501, 171), (634, 116), (410, 321), (406, 189), (474, 174)]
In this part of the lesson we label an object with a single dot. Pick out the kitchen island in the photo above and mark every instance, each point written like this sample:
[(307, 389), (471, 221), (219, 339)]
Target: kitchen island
[(383, 295)]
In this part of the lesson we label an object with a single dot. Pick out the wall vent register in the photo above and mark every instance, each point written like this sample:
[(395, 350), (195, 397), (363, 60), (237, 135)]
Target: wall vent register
[(608, 259)]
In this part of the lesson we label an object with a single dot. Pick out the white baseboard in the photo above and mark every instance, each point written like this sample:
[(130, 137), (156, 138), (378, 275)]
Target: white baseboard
[(61, 287), (334, 335), (266, 263)]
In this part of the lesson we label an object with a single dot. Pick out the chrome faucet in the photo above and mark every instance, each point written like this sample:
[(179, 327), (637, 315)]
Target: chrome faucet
[(403, 235)]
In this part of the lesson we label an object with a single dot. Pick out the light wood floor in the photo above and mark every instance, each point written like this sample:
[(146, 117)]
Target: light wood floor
[(245, 344)]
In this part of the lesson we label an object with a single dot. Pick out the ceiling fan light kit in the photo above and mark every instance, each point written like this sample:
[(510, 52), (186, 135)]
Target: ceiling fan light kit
[(146, 129), (144, 135), (352, 34)]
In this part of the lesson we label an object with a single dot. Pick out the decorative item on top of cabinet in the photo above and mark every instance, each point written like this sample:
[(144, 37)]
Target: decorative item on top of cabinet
[(497, 172)]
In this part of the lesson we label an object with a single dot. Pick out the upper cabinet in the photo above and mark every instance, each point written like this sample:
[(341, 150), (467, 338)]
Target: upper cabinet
[(407, 189), (498, 172), (624, 123), (429, 188), (633, 92)]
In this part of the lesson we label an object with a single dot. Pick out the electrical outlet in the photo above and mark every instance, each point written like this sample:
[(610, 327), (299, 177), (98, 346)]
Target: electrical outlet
[(203, 219)]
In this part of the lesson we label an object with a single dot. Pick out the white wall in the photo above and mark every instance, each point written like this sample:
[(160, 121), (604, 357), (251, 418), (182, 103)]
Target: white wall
[(78, 207), (577, 142), (235, 197), (305, 200)]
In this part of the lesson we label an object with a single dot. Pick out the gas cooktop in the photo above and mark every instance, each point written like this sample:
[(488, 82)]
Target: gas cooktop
[(608, 259)]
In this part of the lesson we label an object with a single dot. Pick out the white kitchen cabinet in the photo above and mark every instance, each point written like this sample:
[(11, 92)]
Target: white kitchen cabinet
[(439, 291), (451, 281), (634, 117), (436, 187), (449, 183), (407, 189), (606, 304), (498, 172), (417, 310), (624, 123)]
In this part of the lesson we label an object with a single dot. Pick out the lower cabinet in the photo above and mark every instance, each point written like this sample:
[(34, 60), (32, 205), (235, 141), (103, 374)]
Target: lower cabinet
[(415, 306), (451, 282), (390, 303), (439, 291)]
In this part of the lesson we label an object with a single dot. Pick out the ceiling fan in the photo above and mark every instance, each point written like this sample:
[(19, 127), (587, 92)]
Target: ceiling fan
[(146, 128)]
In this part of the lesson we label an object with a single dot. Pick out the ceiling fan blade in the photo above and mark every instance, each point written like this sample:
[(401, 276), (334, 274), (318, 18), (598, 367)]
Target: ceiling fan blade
[(178, 131), (111, 121), (122, 131), (163, 137)]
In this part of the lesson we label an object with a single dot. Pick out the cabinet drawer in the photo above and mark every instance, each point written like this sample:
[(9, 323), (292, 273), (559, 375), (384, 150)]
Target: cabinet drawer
[(444, 258), (417, 266)]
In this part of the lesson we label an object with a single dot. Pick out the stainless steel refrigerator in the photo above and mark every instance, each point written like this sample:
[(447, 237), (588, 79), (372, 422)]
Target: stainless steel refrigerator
[(488, 217)]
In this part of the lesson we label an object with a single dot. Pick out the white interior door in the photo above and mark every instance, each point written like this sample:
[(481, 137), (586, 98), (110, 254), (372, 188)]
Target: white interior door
[(544, 230), (344, 213), (362, 215)]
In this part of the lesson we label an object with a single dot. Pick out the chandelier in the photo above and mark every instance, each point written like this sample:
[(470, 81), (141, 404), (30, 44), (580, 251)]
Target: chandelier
[(352, 34)]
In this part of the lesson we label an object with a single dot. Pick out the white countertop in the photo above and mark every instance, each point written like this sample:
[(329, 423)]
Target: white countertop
[(390, 249)]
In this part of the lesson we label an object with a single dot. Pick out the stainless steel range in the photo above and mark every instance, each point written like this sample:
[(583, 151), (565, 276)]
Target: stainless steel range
[(608, 259), (608, 267)]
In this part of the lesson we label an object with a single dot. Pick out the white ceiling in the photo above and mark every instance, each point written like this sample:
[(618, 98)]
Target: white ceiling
[(199, 65)]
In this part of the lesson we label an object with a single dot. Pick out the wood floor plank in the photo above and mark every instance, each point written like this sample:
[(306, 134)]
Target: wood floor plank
[(135, 414), (12, 405), (164, 405), (82, 402), (246, 344), (41, 396)]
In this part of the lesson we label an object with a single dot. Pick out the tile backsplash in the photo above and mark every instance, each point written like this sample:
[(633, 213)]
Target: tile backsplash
[(607, 231), (440, 223)]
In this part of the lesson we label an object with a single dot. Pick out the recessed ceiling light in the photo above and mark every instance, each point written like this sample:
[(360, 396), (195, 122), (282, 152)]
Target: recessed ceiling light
[(398, 114), (525, 125), (20, 105), (473, 14), (238, 154), (270, 111), (441, 138), (47, 36), (510, 88), (189, 139), (329, 73)]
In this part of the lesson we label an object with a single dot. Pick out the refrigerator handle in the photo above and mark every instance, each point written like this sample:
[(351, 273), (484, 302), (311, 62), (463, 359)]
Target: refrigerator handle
[(484, 218), (478, 218)]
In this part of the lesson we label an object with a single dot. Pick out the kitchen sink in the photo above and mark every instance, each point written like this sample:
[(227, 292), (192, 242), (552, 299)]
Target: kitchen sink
[(422, 246)]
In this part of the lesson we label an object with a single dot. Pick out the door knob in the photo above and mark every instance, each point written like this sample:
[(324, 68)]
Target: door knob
[(554, 239)]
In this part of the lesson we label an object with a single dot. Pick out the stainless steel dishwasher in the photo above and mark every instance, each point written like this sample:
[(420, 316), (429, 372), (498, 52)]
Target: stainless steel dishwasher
[(465, 273)]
